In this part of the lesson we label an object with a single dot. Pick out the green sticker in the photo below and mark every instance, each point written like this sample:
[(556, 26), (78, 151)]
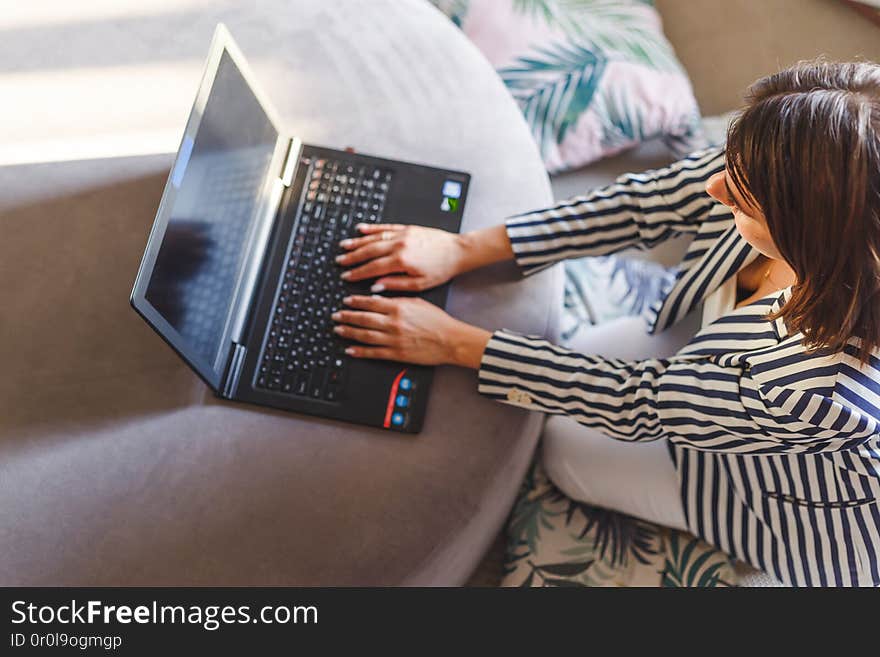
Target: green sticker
[(449, 204)]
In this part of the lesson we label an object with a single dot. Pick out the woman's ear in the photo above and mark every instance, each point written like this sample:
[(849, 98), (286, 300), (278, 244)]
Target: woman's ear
[(715, 187)]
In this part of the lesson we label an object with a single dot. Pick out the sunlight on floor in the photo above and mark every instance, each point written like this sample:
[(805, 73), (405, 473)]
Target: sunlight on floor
[(80, 113), (94, 111), (18, 14)]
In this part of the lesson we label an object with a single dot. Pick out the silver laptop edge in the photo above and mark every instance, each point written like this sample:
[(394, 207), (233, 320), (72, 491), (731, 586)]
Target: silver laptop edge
[(280, 174)]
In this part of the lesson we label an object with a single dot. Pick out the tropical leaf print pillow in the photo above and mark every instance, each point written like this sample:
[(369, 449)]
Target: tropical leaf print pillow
[(593, 77), (559, 542)]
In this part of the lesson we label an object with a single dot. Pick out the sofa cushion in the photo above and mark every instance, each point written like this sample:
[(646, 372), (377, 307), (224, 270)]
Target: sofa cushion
[(592, 79)]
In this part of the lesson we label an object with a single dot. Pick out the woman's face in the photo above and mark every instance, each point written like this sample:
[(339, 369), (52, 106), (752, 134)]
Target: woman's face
[(750, 221)]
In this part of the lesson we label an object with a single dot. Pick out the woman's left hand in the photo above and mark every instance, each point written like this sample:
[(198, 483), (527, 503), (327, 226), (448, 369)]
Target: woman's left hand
[(408, 329)]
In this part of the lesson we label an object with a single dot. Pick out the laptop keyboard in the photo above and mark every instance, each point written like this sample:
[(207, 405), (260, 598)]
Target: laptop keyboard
[(301, 355)]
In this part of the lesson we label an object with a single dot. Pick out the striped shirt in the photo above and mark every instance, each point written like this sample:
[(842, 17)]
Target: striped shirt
[(776, 449)]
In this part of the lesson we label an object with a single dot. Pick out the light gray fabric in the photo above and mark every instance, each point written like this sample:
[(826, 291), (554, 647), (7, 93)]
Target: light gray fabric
[(119, 467)]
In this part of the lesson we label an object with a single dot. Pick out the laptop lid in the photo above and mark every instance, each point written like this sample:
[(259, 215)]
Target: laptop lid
[(200, 253)]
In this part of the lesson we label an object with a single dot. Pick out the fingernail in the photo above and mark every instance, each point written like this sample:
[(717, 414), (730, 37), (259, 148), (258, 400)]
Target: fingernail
[(336, 315), (345, 275), (337, 329), (350, 351), (361, 226), (378, 287), (340, 258), (347, 299), (345, 243)]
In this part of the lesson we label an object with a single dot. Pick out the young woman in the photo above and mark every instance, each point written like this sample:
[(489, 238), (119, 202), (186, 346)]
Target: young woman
[(771, 412)]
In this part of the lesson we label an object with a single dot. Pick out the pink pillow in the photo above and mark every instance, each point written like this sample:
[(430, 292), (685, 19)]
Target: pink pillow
[(592, 78)]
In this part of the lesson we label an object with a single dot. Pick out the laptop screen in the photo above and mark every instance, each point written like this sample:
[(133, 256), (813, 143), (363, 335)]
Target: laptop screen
[(218, 177)]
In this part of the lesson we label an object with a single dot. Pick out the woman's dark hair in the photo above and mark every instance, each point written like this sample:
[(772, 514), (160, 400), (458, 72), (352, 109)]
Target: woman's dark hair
[(806, 150)]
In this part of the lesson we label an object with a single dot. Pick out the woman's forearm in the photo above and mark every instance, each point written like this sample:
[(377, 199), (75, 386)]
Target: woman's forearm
[(484, 247)]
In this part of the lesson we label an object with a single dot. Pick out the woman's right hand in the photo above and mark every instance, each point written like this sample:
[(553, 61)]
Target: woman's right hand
[(401, 257)]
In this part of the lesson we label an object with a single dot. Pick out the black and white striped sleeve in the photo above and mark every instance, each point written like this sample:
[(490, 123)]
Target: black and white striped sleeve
[(690, 400), (639, 210)]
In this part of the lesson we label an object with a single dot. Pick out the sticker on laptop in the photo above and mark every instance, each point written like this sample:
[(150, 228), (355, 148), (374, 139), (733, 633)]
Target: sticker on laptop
[(451, 195)]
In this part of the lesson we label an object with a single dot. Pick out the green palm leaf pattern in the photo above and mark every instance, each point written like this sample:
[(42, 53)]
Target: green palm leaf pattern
[(545, 9), (624, 122), (558, 574), (601, 572), (616, 536), (690, 562), (456, 10), (608, 25), (554, 88), (534, 510), (642, 283)]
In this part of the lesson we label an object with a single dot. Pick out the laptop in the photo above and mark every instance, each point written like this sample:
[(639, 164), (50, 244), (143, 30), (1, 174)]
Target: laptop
[(238, 275)]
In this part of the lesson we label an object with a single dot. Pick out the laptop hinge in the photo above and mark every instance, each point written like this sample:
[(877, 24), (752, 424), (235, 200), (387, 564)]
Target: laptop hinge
[(236, 364), (291, 161)]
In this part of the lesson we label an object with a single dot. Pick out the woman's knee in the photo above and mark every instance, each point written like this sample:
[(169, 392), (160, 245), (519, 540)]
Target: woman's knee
[(556, 454), (638, 479)]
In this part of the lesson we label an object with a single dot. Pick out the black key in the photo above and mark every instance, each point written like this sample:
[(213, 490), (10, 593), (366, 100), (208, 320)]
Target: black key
[(302, 384), (316, 387), (332, 393)]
